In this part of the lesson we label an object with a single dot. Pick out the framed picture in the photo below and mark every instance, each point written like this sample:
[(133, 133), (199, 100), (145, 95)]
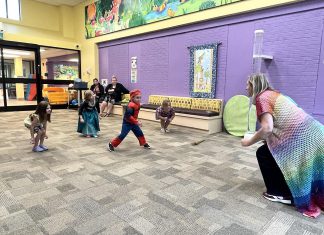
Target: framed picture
[(104, 82), (203, 70)]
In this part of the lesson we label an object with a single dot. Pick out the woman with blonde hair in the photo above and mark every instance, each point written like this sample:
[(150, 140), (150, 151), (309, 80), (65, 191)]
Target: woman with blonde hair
[(292, 160)]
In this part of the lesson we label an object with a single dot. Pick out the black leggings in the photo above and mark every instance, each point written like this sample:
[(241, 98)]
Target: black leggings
[(272, 175), (98, 104)]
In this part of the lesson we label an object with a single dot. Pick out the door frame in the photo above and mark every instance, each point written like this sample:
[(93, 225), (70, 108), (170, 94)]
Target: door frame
[(39, 82)]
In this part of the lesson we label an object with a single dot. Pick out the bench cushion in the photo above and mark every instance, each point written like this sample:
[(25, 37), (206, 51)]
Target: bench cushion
[(205, 113), (207, 104), (176, 101), (214, 105)]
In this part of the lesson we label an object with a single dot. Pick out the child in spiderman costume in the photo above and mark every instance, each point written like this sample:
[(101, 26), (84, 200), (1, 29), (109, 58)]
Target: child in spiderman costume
[(130, 123)]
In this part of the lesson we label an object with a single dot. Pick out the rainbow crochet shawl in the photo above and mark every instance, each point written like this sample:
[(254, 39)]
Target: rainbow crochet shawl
[(297, 145)]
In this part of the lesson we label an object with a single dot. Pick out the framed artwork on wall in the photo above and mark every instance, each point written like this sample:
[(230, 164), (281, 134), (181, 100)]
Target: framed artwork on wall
[(203, 70)]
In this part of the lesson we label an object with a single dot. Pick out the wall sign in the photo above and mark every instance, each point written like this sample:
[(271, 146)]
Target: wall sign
[(134, 70)]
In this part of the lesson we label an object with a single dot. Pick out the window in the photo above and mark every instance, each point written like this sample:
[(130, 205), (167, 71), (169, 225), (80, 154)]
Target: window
[(10, 9)]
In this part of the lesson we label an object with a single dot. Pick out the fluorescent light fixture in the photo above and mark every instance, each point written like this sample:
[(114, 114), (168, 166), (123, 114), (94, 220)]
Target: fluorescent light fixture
[(10, 56), (74, 60), (15, 52)]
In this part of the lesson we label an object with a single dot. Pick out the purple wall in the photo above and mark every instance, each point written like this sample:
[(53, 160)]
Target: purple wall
[(293, 35)]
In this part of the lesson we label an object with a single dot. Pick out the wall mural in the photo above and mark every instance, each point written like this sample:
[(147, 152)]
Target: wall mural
[(64, 72), (203, 62), (107, 16)]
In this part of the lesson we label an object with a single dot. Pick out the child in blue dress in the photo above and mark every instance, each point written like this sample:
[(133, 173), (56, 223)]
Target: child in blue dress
[(88, 124)]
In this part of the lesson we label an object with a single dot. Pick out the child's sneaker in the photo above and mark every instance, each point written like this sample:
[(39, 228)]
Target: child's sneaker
[(95, 136), (162, 130), (110, 147), (38, 149), (147, 146), (43, 147), (167, 131)]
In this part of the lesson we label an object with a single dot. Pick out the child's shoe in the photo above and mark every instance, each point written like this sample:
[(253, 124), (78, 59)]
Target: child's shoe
[(95, 136), (147, 146), (110, 147), (167, 131), (43, 147), (38, 149), (162, 130)]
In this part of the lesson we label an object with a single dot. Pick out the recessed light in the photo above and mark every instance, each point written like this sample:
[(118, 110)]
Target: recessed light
[(10, 56), (15, 52)]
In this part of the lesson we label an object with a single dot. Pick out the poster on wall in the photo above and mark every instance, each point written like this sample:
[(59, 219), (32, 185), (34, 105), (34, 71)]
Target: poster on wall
[(104, 82), (203, 61), (65, 72), (107, 16)]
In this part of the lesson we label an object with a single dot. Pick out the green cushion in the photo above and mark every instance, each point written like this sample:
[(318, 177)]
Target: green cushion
[(236, 114)]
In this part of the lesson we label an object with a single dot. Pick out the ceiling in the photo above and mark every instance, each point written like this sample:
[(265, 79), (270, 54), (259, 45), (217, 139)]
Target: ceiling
[(53, 52), (61, 2)]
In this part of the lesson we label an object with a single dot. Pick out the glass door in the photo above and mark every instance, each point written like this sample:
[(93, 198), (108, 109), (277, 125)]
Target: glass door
[(19, 75)]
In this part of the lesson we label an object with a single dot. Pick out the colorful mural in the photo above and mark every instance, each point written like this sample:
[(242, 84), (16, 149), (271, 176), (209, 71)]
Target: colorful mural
[(64, 72), (107, 16)]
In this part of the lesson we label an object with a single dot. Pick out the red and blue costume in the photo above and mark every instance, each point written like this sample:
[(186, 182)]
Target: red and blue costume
[(130, 123)]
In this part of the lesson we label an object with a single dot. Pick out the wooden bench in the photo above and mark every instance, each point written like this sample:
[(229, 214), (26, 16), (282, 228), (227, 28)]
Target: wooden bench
[(198, 113)]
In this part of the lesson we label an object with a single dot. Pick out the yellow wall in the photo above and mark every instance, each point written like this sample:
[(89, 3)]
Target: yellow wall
[(63, 26), (89, 52), (42, 24), (18, 73)]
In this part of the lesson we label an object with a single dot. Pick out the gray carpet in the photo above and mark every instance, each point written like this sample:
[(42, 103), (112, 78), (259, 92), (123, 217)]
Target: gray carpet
[(78, 187)]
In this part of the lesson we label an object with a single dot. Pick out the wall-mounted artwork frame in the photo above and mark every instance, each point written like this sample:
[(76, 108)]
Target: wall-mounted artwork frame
[(203, 70)]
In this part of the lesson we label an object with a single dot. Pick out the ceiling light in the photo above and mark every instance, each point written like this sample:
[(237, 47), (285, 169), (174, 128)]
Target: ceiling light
[(15, 52), (10, 56), (74, 60)]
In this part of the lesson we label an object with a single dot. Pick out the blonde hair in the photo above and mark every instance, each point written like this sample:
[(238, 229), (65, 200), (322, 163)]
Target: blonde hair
[(259, 83), (88, 95), (165, 103)]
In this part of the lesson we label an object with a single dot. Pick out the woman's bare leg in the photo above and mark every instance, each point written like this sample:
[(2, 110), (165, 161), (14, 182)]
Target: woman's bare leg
[(110, 108), (103, 107)]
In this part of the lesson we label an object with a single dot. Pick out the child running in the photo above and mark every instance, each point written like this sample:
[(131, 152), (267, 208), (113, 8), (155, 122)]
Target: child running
[(88, 124), (130, 123), (165, 113)]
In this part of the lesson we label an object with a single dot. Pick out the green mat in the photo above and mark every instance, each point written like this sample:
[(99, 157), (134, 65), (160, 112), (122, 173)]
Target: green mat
[(236, 116)]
